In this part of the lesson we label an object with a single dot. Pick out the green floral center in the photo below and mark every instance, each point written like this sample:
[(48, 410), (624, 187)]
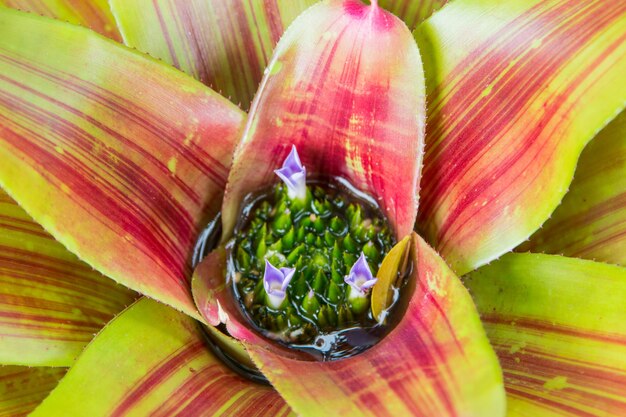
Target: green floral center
[(322, 237)]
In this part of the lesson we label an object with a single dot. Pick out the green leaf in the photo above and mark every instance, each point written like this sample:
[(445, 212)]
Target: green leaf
[(151, 360), (590, 223), (557, 325), (387, 276)]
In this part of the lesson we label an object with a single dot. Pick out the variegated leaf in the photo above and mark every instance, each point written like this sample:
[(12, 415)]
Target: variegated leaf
[(23, 388), (51, 304), (590, 223), (151, 360), (226, 44), (516, 90), (121, 158), (557, 325), (94, 14)]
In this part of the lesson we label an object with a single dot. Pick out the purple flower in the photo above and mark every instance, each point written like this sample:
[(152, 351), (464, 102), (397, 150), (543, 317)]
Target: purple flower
[(293, 175), (275, 282), (360, 278)]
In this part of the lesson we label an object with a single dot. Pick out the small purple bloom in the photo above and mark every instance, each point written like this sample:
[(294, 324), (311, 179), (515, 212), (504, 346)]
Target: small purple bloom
[(275, 282), (360, 278), (293, 175)]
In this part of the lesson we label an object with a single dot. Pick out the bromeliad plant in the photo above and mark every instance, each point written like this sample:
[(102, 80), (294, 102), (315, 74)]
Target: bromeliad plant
[(125, 160)]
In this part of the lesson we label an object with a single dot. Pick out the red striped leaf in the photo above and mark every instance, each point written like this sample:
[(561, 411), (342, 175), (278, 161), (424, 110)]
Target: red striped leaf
[(590, 223), (152, 360), (345, 86), (557, 325), (51, 304), (94, 14), (120, 157), (226, 44), (436, 362), (23, 388), (516, 90)]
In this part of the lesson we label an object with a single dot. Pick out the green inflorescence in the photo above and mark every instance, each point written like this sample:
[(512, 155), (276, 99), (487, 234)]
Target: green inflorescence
[(321, 237)]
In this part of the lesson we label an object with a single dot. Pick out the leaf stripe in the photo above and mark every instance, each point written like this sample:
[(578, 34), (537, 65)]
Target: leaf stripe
[(23, 388), (591, 221), (142, 160), (549, 403), (543, 327), (22, 264), (166, 35), (200, 159), (51, 304), (156, 376), (94, 14), (224, 44), (609, 206), (143, 225), (495, 130), (544, 364), (412, 12), (563, 359), (227, 399), (529, 371), (469, 89), (151, 360)]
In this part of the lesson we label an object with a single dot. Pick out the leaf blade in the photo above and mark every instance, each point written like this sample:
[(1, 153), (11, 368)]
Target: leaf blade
[(93, 14), (50, 302), (151, 360), (23, 388), (590, 223), (387, 275), (119, 157), (224, 44), (413, 12), (565, 358), (510, 87)]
